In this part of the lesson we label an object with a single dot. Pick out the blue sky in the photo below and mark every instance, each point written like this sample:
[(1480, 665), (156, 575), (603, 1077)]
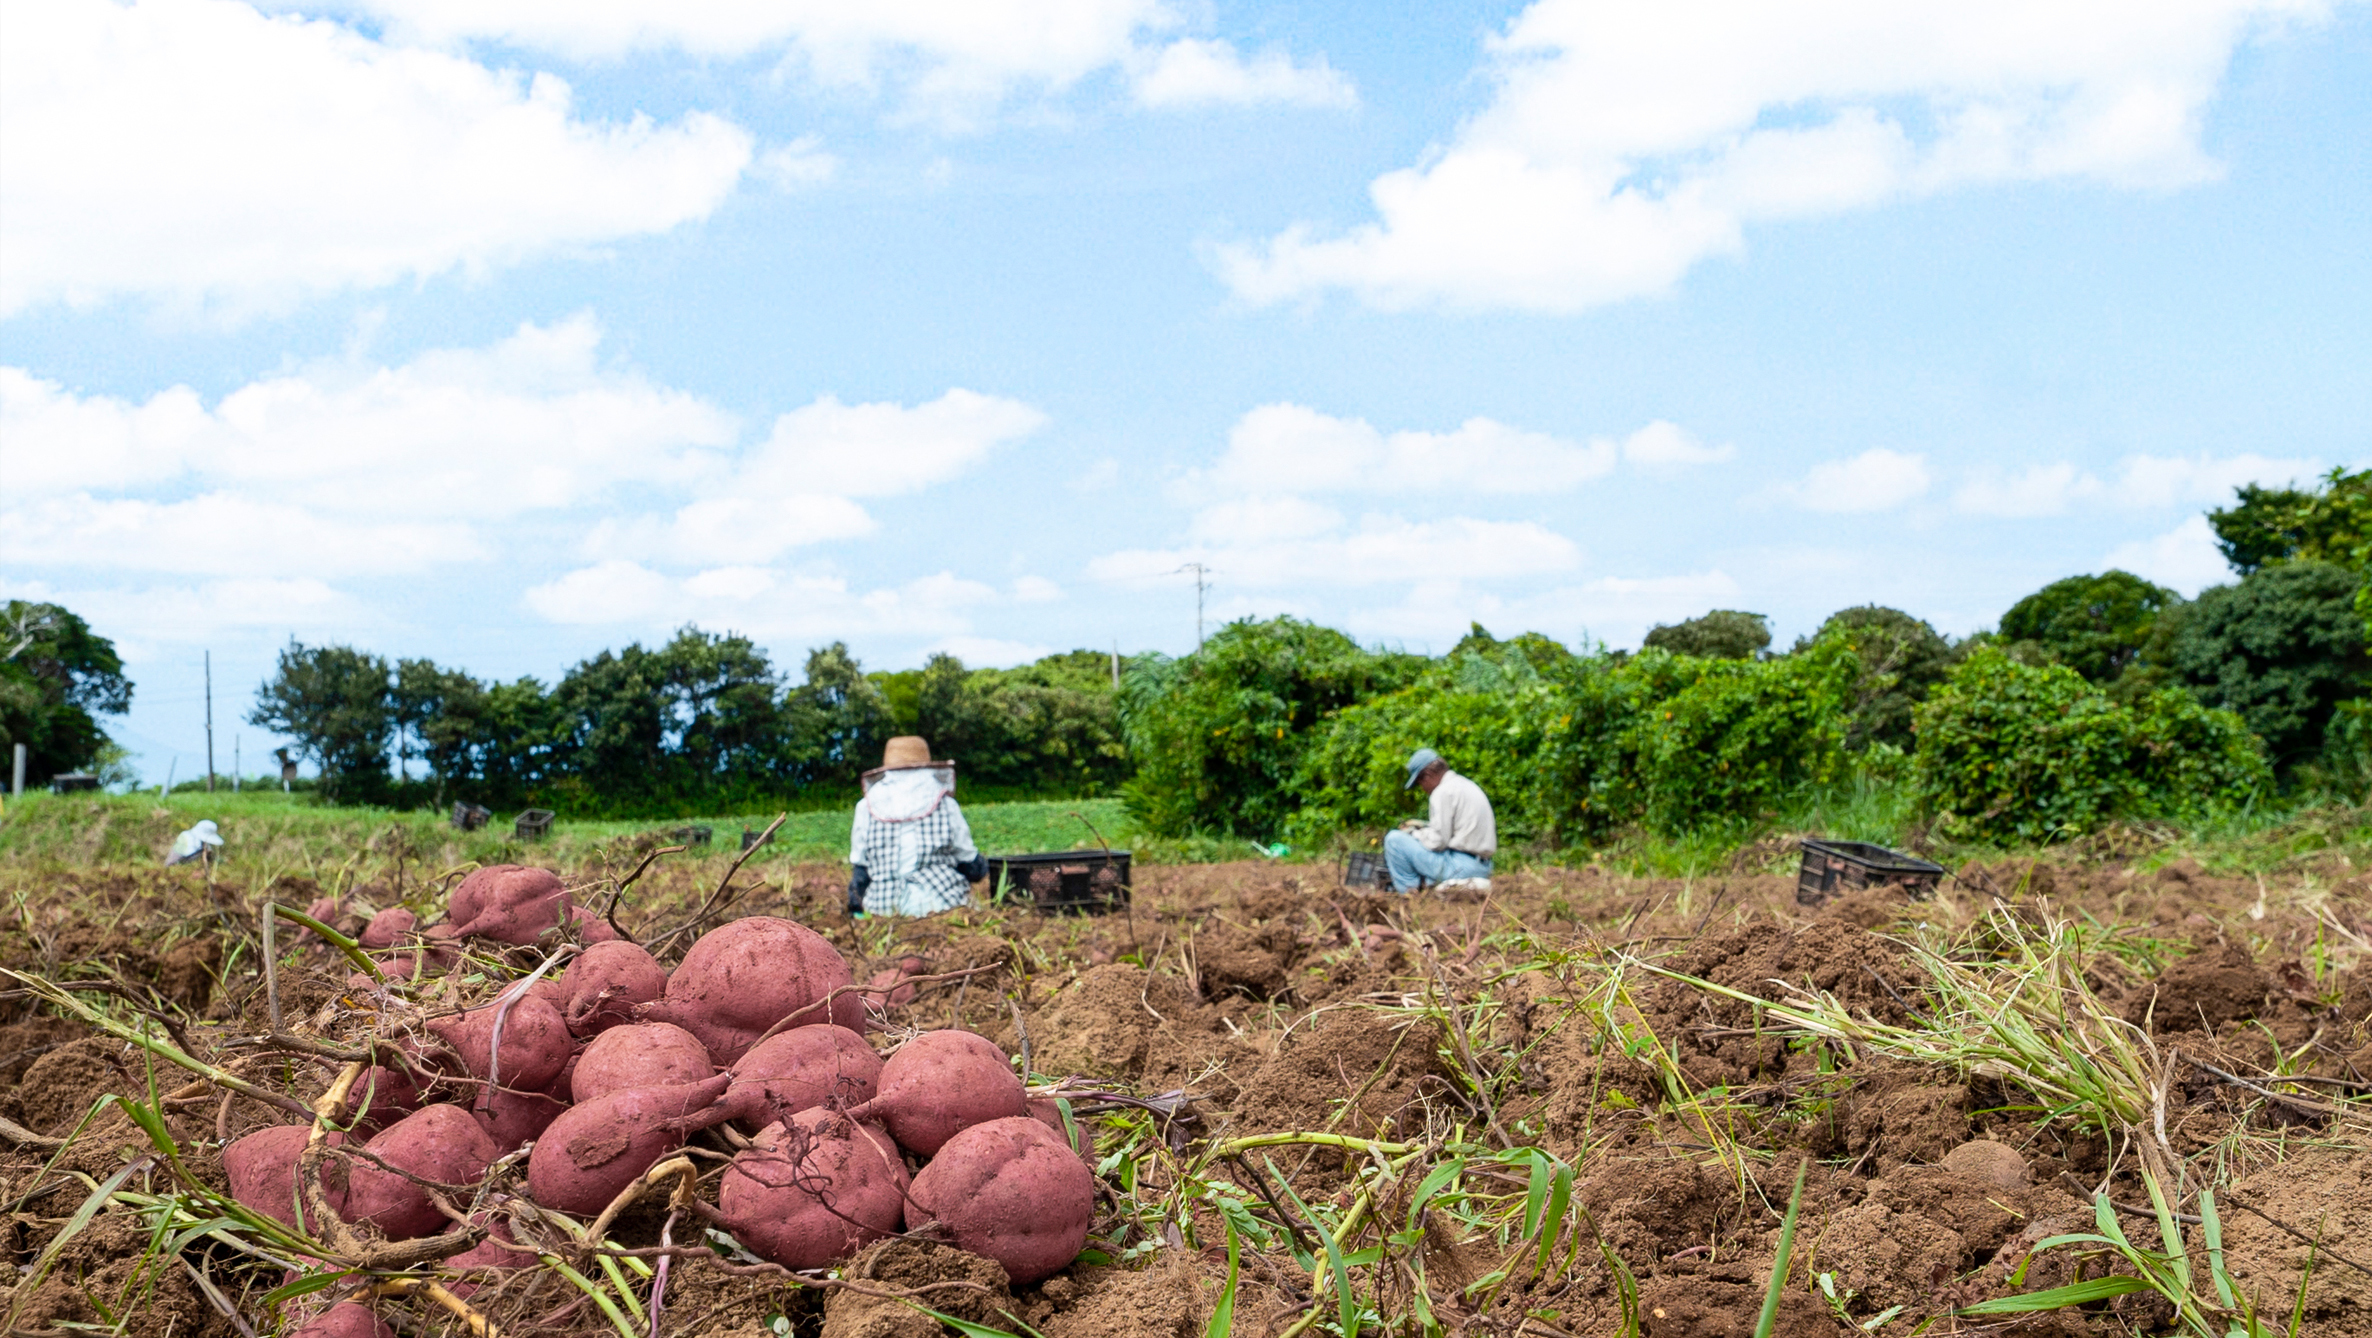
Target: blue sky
[(501, 332)]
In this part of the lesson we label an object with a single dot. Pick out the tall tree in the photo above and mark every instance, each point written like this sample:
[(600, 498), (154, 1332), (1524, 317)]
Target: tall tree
[(1724, 634), (337, 703), (2095, 625), (2283, 648), (2328, 523), (56, 676)]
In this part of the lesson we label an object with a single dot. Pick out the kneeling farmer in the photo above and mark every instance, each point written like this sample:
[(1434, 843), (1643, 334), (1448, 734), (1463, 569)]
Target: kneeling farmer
[(910, 851), (1454, 845)]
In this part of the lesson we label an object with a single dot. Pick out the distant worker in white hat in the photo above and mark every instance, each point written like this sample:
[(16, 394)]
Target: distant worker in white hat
[(910, 851), (1453, 847), (199, 842)]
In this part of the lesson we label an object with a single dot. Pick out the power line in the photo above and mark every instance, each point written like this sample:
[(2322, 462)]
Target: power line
[(1202, 582)]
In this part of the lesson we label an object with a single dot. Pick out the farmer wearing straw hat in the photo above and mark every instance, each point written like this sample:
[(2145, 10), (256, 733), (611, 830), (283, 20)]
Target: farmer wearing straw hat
[(198, 843), (910, 851)]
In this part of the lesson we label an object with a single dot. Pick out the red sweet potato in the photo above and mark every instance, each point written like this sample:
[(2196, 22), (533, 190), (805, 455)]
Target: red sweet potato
[(600, 1147), (346, 1319), (261, 1167), (1080, 1135), (440, 1144), (647, 1054), (802, 1068), (591, 928), (604, 984), (813, 1191), (509, 903), (941, 1083), (512, 1120), (387, 928), (535, 1041), (741, 979), (1009, 1190), (382, 1096)]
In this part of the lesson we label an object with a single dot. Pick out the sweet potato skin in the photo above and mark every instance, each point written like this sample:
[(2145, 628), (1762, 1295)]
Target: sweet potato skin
[(509, 903), (792, 1195), (438, 1143), (939, 1084), (800, 1069), (535, 1041), (382, 1096), (647, 1054), (1010, 1190), (1044, 1109), (387, 928), (346, 1319), (261, 1168), (512, 1120), (604, 984), (599, 1147), (743, 979)]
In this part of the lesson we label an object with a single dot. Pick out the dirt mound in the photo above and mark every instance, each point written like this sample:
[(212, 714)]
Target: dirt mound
[(1347, 1070), (1917, 1230), (1699, 1308), (1650, 1211), (1112, 1022), (108, 1270), (1897, 1116), (1256, 962), (60, 1087), (1158, 1302), (2202, 992), (1716, 1040)]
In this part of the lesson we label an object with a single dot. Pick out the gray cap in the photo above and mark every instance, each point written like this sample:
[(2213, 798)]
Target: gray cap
[(1417, 762)]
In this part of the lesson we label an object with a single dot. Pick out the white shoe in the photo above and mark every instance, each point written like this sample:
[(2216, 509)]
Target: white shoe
[(1463, 885)]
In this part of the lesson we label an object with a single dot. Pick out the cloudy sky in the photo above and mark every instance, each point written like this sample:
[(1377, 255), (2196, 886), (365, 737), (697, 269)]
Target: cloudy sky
[(501, 331)]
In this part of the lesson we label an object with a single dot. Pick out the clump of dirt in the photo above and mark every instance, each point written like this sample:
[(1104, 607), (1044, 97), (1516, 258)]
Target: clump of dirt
[(1113, 1021), (1652, 1210), (1257, 962), (1903, 1116), (1716, 1040), (1158, 1302), (2202, 992), (1917, 1230), (980, 1293), (109, 1265), (1715, 1308), (1347, 1070), (2326, 1193), (60, 1087)]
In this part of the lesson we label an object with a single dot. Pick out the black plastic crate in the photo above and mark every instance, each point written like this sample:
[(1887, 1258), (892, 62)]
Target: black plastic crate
[(1087, 882), (1366, 869), (692, 836), (470, 817), (752, 838), (1832, 866), (532, 825)]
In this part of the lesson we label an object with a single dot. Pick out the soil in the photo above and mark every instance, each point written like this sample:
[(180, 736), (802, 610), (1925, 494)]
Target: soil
[(1254, 999)]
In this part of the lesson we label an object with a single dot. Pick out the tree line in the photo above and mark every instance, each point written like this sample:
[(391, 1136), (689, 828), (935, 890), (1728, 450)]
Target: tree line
[(701, 723), (2099, 697)]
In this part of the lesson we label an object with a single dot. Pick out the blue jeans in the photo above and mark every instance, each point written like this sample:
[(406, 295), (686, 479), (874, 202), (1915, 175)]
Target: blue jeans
[(1410, 862)]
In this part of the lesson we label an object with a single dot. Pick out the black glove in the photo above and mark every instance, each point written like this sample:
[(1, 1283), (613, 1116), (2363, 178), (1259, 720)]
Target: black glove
[(859, 878), (973, 869)]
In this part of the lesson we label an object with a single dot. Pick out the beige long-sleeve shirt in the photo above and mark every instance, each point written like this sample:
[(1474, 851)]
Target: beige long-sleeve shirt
[(1458, 817)]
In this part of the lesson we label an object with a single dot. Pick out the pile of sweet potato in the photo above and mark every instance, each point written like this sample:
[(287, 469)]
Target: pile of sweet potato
[(600, 1072)]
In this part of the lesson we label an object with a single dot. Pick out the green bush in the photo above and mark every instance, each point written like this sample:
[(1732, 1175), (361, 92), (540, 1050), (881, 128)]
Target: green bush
[(1218, 736), (1740, 733), (2012, 751), (1902, 659), (1724, 634)]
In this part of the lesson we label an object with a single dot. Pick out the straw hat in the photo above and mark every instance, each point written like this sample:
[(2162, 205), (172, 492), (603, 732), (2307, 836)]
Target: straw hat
[(907, 752)]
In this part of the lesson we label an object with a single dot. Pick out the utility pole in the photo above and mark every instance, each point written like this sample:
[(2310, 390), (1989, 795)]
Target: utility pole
[(209, 722), (1202, 582), (1115, 668), (235, 767)]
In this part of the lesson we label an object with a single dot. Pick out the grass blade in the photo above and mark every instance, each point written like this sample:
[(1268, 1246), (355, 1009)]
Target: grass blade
[(1223, 1314), (1779, 1266), (2058, 1298), (1347, 1310)]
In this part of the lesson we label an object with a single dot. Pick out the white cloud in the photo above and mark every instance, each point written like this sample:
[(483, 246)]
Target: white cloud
[(193, 613), (1623, 145), (1036, 590), (1287, 448), (1870, 481), (1194, 72), (1291, 543), (220, 534), (201, 153), (2169, 480), (532, 422), (878, 450), (760, 602), (1664, 445), (2185, 558), (2038, 490), (799, 164)]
